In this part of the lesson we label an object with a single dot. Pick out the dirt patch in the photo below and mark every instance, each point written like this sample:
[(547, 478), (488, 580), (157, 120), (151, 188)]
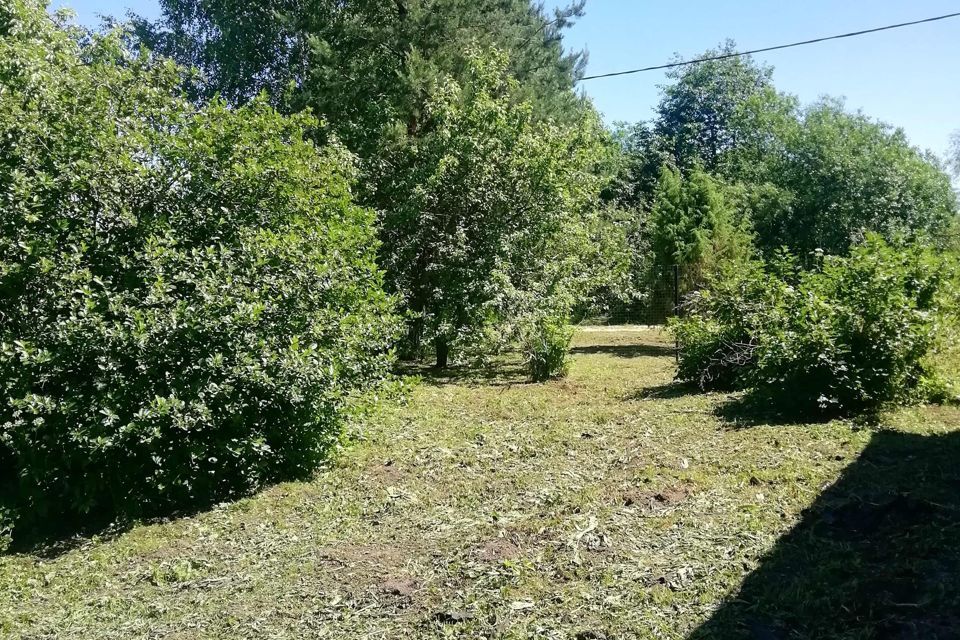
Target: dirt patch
[(374, 574), (568, 388), (366, 557), (173, 551), (387, 473), (499, 550), (655, 500), (400, 587)]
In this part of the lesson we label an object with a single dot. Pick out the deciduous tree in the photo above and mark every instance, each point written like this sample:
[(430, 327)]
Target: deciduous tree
[(491, 216)]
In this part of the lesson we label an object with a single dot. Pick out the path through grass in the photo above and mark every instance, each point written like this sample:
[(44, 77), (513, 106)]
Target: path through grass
[(607, 505)]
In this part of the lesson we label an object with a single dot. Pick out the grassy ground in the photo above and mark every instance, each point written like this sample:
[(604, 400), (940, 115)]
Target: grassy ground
[(607, 505)]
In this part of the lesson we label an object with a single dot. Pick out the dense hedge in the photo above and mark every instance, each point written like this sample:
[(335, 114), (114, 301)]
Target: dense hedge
[(189, 301), (854, 335)]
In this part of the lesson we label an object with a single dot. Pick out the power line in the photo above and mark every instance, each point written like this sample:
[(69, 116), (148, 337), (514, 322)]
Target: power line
[(782, 46)]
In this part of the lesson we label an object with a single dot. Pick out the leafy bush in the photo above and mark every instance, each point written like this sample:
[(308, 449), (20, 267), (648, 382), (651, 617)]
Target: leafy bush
[(546, 347), (946, 356), (189, 302), (856, 335), (853, 336), (718, 329)]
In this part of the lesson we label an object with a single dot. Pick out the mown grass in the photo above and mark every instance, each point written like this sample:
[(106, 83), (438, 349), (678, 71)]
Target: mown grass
[(612, 504)]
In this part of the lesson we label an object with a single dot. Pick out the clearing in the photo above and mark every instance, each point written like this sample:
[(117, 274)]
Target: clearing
[(611, 504)]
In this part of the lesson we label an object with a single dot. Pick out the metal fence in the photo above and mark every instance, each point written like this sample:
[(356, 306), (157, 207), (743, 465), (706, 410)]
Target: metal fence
[(658, 299)]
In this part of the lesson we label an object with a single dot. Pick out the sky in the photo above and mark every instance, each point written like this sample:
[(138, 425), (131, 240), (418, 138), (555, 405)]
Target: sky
[(909, 78)]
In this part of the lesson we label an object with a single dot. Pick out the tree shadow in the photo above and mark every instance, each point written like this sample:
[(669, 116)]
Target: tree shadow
[(60, 531), (877, 555), (627, 350), (493, 374), (668, 391)]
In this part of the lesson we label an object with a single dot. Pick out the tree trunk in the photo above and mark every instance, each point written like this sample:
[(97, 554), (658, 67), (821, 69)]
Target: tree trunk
[(411, 348), (443, 353)]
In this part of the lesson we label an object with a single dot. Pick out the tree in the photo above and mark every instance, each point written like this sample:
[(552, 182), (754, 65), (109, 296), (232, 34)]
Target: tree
[(190, 305), (364, 65), (491, 218), (395, 83), (814, 178), (693, 227), (699, 119), (721, 116), (836, 176), (954, 157), (641, 158)]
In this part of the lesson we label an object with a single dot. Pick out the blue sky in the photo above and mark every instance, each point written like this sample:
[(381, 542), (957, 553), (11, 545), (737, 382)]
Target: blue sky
[(909, 78)]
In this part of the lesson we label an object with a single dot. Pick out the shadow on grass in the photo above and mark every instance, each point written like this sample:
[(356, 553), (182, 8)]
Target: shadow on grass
[(61, 535), (627, 350), (57, 532), (754, 409), (493, 374), (877, 555), (668, 391)]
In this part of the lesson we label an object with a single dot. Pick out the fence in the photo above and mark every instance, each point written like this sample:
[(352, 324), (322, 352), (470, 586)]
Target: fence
[(658, 299)]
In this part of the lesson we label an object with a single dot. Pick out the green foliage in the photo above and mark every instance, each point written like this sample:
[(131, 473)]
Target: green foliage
[(841, 175), (719, 327), (365, 65), (640, 163), (484, 163), (189, 299), (693, 226), (856, 335), (490, 215), (700, 114), (853, 336), (946, 357), (7, 521), (624, 251), (546, 345), (809, 179)]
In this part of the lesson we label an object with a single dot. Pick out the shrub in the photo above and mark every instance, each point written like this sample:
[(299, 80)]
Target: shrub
[(189, 299), (719, 325), (856, 335), (852, 336), (946, 356), (546, 347)]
